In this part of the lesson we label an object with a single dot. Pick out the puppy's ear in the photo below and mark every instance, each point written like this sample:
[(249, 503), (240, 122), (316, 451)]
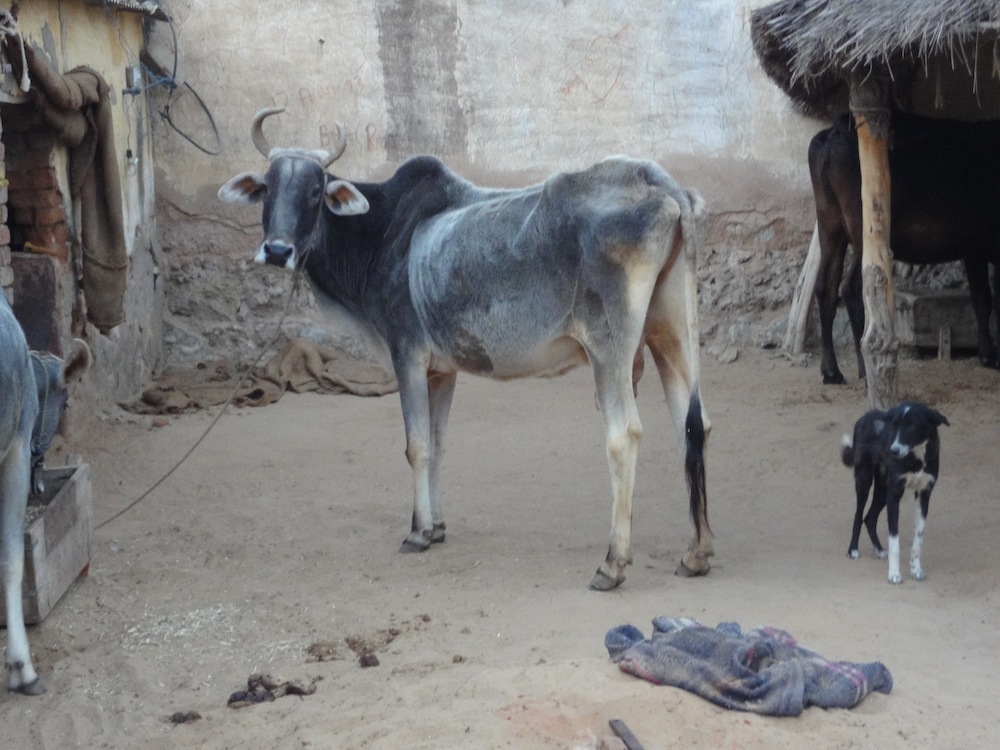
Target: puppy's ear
[(879, 425), (939, 418)]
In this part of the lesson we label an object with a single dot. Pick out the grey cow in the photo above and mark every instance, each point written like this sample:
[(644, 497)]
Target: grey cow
[(32, 399), (449, 277)]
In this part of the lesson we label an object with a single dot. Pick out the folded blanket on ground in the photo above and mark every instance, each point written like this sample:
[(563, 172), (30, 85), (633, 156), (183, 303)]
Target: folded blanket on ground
[(763, 670)]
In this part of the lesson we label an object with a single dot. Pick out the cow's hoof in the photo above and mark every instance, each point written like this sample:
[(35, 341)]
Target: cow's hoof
[(437, 533), (853, 554), (29, 688), (418, 541), (834, 378), (685, 572), (603, 582)]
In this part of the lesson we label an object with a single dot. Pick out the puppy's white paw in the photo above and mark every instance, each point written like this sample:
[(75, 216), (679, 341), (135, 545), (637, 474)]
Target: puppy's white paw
[(895, 580), (853, 554), (881, 554), (917, 573)]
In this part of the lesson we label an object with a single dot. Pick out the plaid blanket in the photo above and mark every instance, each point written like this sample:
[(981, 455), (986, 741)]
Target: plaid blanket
[(763, 670)]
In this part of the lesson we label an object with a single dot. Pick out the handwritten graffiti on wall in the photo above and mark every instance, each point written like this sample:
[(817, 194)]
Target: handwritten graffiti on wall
[(596, 64), (309, 104)]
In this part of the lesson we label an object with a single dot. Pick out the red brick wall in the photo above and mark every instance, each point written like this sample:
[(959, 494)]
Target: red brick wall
[(36, 206)]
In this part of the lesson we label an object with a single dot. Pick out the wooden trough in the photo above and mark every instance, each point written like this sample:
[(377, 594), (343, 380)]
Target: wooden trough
[(57, 540), (936, 318)]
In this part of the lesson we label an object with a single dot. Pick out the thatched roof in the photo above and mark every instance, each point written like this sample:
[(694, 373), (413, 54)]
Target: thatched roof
[(939, 54)]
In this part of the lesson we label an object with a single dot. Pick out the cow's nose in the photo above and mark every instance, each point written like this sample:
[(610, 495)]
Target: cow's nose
[(278, 253)]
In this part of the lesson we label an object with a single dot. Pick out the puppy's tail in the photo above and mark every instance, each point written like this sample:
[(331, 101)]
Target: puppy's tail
[(847, 450)]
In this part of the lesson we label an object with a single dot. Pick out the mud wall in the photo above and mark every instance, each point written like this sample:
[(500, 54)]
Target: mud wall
[(65, 35), (505, 92)]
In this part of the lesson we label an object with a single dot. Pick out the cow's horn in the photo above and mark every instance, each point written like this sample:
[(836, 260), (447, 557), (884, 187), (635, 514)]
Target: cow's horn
[(257, 129), (341, 145)]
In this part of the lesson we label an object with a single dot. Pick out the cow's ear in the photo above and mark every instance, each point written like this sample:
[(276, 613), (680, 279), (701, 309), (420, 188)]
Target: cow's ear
[(343, 199), (244, 188), (78, 361)]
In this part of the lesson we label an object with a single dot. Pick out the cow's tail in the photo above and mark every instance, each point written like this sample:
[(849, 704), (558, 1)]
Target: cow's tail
[(693, 224), (694, 465)]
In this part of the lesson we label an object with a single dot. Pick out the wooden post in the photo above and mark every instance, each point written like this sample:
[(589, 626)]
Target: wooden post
[(879, 347), (802, 300)]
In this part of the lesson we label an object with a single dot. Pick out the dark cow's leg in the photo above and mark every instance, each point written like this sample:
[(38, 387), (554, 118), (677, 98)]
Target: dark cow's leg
[(977, 272), (833, 247), (854, 303), (441, 388)]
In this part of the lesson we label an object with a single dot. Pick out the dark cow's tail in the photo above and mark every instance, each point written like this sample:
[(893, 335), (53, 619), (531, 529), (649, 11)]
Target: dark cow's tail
[(694, 465)]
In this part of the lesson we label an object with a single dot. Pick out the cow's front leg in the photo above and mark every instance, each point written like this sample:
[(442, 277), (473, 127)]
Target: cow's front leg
[(414, 395), (624, 431)]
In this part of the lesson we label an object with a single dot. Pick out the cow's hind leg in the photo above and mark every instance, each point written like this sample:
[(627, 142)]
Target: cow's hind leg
[(624, 432), (14, 472), (441, 389), (977, 272), (671, 333)]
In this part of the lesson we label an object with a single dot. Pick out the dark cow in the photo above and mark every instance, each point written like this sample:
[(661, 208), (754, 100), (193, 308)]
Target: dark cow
[(32, 399), (945, 192), (450, 277)]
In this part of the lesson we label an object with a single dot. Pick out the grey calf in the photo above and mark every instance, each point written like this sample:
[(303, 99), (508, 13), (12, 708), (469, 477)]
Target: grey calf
[(32, 399)]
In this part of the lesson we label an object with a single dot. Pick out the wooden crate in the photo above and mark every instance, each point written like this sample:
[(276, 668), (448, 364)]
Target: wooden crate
[(57, 542), (921, 314)]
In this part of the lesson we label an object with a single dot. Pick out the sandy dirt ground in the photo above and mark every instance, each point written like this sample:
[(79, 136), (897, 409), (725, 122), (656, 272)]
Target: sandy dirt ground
[(273, 550)]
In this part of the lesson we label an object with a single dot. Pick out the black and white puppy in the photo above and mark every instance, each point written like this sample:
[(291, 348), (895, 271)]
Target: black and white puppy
[(897, 451)]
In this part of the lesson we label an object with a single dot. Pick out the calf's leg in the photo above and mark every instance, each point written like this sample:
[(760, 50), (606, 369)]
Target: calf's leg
[(14, 477)]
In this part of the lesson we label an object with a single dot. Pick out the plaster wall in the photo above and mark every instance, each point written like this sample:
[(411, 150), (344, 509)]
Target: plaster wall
[(506, 92)]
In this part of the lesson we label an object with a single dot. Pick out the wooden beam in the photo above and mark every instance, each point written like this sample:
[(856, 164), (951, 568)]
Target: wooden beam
[(802, 300), (879, 347)]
